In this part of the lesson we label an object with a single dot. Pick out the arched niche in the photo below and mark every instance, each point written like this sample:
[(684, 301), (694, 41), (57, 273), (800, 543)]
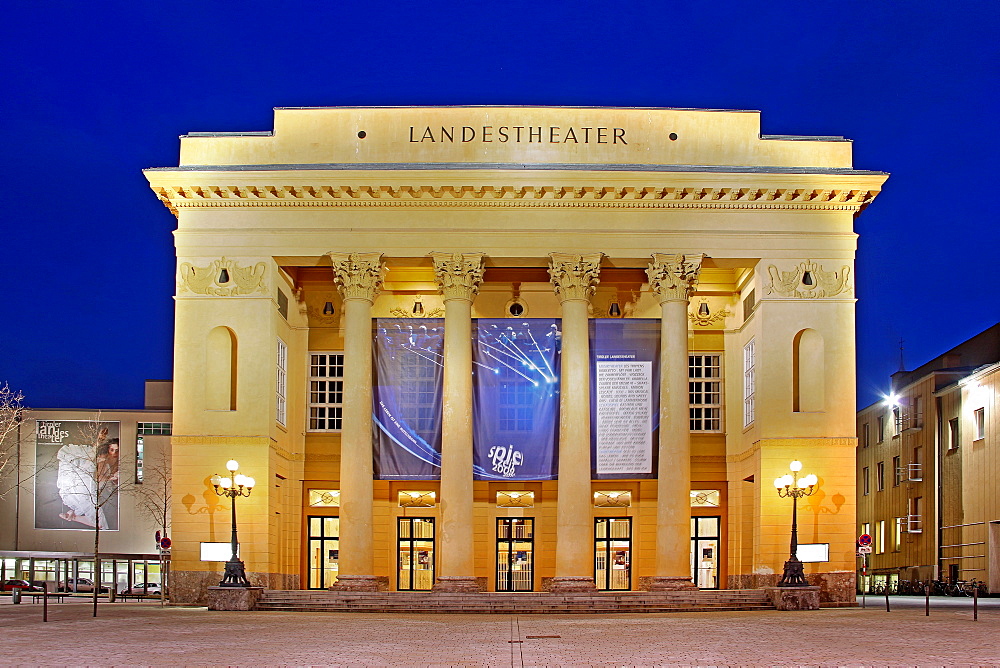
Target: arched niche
[(220, 370), (808, 372)]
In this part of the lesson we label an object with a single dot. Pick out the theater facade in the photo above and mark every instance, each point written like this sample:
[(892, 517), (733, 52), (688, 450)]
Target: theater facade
[(514, 349)]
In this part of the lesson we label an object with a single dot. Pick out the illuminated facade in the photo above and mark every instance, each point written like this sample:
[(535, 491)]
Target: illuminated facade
[(514, 349), (927, 466)]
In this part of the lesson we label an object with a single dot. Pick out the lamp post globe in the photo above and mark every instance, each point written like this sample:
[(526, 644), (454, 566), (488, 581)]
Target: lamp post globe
[(233, 487), (790, 485)]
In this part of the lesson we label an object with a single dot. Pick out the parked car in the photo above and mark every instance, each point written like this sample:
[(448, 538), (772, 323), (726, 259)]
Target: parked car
[(148, 588), (23, 585), (85, 585)]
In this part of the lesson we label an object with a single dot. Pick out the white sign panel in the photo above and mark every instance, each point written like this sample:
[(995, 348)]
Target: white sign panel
[(813, 552), (218, 551), (624, 400)]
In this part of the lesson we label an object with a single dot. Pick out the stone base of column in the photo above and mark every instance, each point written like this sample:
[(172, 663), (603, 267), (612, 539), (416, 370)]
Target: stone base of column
[(234, 598), (794, 598), (669, 583), (359, 583), (457, 583), (569, 584)]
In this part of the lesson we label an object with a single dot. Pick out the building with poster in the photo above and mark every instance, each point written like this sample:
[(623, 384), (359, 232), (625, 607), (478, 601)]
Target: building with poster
[(81, 469), (928, 461), (514, 349)]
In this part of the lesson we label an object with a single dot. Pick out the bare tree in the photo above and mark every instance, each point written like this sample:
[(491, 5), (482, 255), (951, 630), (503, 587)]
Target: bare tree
[(89, 482), (13, 416), (153, 498)]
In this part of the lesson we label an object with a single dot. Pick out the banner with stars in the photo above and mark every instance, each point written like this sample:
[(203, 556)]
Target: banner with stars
[(515, 398)]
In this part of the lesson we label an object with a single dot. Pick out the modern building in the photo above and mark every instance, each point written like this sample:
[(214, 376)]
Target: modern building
[(80, 468), (927, 469), (514, 349)]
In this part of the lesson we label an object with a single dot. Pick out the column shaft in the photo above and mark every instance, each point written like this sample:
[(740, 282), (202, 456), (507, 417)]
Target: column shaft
[(458, 276), (358, 277), (575, 278), (673, 278), (457, 556), (356, 486), (574, 542), (673, 507)]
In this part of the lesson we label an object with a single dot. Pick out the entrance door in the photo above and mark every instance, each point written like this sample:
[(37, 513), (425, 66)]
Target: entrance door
[(705, 552), (324, 551), (613, 553), (415, 567), (515, 553)]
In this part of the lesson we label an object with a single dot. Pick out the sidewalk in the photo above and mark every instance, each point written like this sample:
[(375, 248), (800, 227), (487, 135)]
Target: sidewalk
[(147, 634)]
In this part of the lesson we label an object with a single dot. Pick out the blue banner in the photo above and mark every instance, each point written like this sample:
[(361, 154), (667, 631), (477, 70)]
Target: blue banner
[(624, 397), (515, 398), (406, 398)]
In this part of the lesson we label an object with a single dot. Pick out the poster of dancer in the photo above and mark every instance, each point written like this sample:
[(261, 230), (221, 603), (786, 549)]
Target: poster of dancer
[(77, 480)]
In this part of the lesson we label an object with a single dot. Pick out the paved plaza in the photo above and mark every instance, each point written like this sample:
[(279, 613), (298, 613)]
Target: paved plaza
[(147, 634)]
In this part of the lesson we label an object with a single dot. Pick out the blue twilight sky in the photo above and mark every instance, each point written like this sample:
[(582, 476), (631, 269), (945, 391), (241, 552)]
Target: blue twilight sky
[(95, 92)]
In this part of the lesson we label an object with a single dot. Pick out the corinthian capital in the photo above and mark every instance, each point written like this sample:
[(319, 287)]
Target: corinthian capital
[(674, 277), (575, 276), (458, 275), (358, 275)]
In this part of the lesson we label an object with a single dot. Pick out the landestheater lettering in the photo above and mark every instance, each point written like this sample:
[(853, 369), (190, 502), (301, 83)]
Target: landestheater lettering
[(552, 134)]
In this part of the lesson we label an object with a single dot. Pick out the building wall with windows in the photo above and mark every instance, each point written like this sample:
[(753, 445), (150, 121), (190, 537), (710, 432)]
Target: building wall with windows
[(304, 249), (47, 524), (937, 504)]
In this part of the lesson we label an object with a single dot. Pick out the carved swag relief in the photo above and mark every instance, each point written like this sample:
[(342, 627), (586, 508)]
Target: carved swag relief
[(222, 278)]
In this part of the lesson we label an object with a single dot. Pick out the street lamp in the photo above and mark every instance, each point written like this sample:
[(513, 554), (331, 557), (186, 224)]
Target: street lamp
[(233, 486), (790, 485)]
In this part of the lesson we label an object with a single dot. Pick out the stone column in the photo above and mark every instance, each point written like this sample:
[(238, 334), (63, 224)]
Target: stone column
[(673, 278), (358, 277), (575, 278), (458, 278)]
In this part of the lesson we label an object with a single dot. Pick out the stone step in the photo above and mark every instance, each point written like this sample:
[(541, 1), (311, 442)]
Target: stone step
[(508, 603)]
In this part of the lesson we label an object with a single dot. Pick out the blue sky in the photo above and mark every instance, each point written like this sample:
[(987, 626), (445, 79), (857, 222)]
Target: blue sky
[(96, 92)]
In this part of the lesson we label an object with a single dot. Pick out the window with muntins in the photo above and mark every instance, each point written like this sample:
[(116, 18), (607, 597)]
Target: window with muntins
[(749, 383), (154, 428), (281, 387), (515, 410), (417, 396), (705, 392), (326, 391)]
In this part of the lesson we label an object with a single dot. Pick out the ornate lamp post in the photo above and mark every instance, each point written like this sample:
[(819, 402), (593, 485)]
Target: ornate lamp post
[(790, 485), (232, 487)]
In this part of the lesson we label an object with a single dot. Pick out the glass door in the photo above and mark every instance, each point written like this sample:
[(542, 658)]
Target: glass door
[(515, 553), (324, 551), (613, 553), (705, 552), (415, 571)]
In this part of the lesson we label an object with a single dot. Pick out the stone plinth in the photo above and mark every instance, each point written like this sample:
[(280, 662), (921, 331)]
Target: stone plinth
[(667, 583), (361, 583), (569, 584), (234, 598), (456, 583), (794, 598)]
